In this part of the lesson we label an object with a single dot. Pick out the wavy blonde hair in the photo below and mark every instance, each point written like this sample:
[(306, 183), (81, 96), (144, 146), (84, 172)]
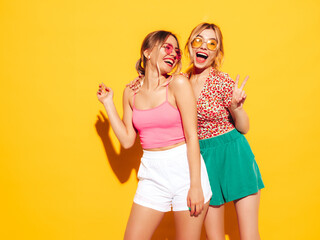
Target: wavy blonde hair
[(156, 38), (220, 51)]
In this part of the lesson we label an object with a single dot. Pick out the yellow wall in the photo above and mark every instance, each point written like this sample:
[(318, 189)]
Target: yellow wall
[(60, 177)]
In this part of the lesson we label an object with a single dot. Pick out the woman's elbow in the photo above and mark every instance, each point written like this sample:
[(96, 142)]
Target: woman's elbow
[(127, 144), (244, 129), (191, 137)]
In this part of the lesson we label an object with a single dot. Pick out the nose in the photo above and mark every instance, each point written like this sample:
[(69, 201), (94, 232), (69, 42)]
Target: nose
[(203, 45), (174, 53)]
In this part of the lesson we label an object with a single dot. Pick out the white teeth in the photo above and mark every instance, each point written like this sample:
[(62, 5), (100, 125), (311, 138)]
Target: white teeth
[(202, 55), (169, 61)]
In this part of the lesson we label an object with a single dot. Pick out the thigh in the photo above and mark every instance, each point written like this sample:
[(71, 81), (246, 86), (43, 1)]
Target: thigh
[(247, 209), (189, 227), (142, 223), (214, 223)]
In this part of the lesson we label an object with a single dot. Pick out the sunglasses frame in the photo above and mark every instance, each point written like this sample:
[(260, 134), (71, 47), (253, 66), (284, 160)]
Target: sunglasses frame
[(207, 42), (168, 47)]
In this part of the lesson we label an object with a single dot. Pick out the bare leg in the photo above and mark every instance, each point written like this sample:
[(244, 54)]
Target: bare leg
[(214, 223), (247, 209), (189, 227), (142, 223)]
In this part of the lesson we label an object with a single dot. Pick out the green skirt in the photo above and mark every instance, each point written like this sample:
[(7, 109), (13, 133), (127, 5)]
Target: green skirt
[(232, 169)]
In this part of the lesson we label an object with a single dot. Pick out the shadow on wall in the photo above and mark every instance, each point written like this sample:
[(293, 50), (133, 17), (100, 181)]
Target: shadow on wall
[(128, 159), (231, 222), (166, 229), (123, 163)]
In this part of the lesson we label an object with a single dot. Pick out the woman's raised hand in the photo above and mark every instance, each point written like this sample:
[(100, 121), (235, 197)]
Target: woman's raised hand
[(238, 96), (104, 93)]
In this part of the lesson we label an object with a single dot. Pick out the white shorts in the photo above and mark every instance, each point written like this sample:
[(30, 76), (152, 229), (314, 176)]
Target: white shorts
[(164, 180)]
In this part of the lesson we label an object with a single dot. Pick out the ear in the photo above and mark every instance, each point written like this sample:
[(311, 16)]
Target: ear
[(146, 53)]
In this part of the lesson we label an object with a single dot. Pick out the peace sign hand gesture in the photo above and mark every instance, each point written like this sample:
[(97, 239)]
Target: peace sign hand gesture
[(238, 96)]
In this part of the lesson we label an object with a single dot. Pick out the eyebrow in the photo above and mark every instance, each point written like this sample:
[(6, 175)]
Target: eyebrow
[(171, 45), (208, 38)]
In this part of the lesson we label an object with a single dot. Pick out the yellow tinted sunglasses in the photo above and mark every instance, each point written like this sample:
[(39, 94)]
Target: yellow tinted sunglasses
[(211, 43)]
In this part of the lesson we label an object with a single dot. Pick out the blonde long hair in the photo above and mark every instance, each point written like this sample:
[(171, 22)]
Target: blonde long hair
[(220, 51)]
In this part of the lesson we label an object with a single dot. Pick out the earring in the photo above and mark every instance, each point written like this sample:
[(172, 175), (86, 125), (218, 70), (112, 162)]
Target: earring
[(149, 57)]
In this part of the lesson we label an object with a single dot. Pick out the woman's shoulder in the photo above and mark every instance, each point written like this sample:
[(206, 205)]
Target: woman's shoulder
[(178, 80), (128, 92), (223, 77)]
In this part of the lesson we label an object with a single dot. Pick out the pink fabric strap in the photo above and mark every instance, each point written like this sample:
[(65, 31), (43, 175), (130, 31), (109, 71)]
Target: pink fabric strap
[(160, 126)]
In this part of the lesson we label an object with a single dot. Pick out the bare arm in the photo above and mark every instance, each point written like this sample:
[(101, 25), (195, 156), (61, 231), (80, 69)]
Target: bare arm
[(123, 129), (239, 115), (188, 109), (241, 120)]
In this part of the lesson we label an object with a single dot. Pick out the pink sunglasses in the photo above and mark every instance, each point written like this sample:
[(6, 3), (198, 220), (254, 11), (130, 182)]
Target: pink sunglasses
[(169, 48)]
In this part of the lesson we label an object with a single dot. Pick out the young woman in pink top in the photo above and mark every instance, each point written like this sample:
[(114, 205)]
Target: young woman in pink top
[(222, 121), (172, 173)]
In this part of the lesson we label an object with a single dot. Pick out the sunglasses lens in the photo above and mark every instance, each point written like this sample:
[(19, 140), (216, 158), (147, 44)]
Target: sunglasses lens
[(196, 43), (178, 54), (212, 44), (168, 48)]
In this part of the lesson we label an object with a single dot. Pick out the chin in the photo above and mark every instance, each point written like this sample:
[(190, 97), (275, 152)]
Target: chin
[(199, 65), (166, 70)]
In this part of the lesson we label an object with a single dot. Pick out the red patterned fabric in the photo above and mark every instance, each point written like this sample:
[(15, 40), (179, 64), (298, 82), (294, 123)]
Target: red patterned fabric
[(212, 105)]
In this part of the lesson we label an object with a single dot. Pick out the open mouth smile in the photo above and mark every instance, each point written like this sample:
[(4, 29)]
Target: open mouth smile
[(169, 61), (201, 57)]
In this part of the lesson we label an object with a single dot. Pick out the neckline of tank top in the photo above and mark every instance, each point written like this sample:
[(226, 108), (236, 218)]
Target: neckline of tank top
[(149, 109), (166, 101)]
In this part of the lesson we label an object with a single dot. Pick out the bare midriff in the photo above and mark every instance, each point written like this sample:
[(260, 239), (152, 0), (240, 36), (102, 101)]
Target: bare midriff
[(167, 147)]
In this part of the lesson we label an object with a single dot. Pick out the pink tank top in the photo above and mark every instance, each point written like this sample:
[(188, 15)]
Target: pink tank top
[(160, 126)]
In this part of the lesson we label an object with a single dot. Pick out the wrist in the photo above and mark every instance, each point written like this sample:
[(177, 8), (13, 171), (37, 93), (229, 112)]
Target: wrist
[(108, 103), (195, 184), (235, 110)]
